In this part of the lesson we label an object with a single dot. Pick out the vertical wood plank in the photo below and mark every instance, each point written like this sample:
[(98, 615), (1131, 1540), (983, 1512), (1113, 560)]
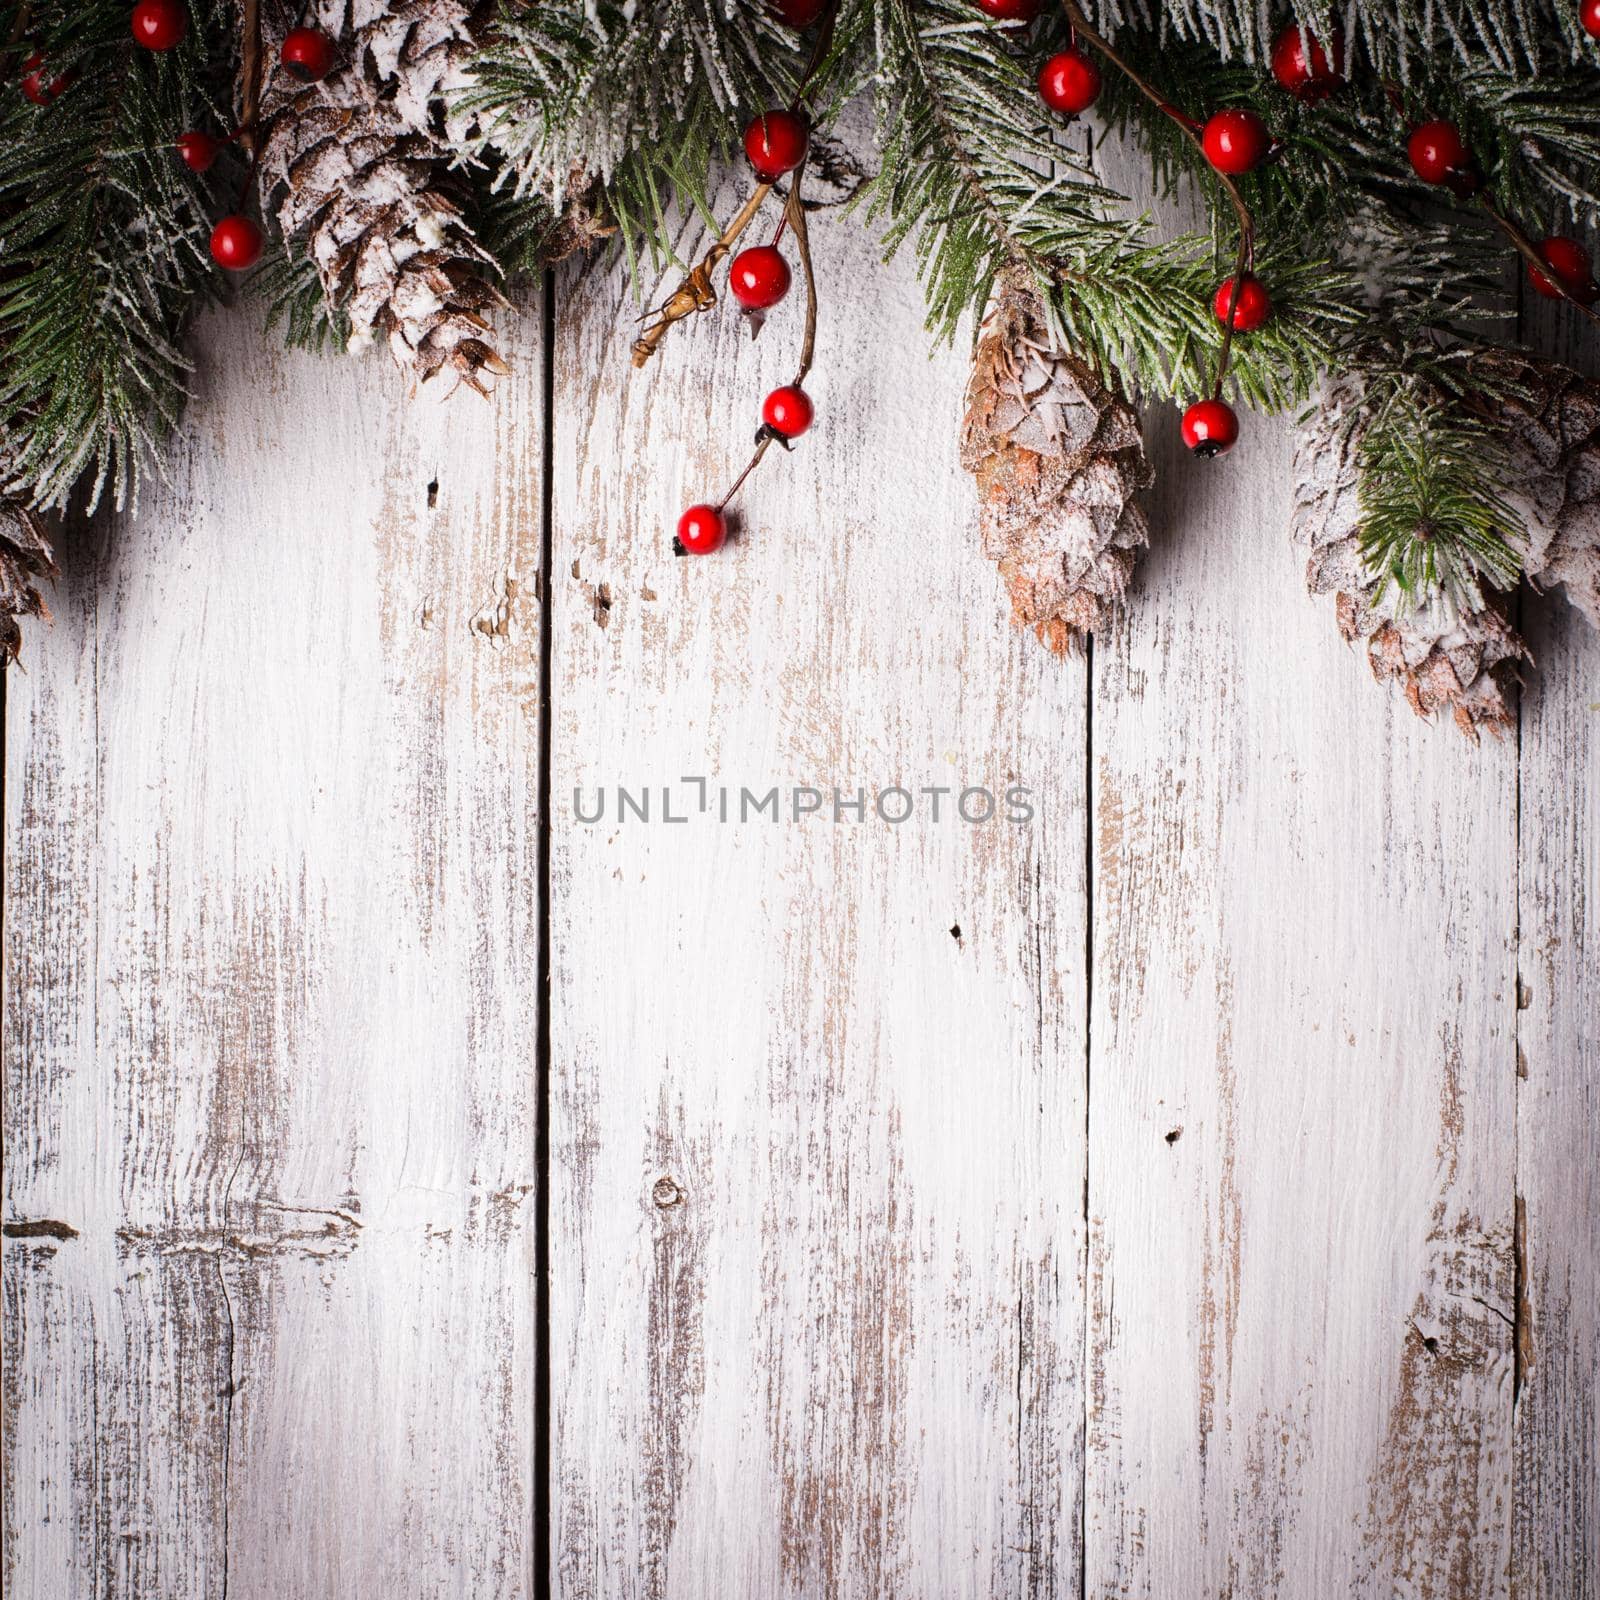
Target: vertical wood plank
[(271, 947), (817, 1119), (1301, 1139), (1556, 1528)]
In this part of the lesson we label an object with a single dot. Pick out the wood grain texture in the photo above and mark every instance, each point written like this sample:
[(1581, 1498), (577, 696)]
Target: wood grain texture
[(897, 1247), (817, 1117), (1556, 1530), (1301, 1167), (271, 945)]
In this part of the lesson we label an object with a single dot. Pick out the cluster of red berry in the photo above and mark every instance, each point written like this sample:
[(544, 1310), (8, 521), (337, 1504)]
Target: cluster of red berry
[(308, 53), (156, 24), (1439, 155), (775, 144), (1234, 140)]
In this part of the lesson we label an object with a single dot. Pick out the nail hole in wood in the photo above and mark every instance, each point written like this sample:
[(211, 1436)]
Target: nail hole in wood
[(955, 930), (602, 604), (433, 494), (1429, 1343), (666, 1194), (1175, 1136)]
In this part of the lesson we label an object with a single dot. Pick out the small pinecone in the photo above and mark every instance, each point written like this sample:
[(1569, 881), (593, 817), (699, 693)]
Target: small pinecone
[(1058, 458), (1442, 659), (582, 222), (358, 165), (25, 554), (1553, 430)]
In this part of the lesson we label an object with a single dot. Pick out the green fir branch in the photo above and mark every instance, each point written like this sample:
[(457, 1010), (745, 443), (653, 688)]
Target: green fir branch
[(973, 173), (104, 250), (641, 97), (1433, 471)]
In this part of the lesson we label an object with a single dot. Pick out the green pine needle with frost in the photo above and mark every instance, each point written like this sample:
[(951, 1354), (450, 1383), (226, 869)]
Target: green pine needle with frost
[(636, 108)]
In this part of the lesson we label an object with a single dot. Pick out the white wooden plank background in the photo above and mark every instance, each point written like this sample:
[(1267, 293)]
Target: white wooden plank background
[(1556, 1518), (817, 1156), (1122, 1204), (272, 921)]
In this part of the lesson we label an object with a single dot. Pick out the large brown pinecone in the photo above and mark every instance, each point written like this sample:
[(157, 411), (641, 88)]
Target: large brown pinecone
[(1551, 419), (25, 554), (1442, 657), (1058, 457), (356, 167)]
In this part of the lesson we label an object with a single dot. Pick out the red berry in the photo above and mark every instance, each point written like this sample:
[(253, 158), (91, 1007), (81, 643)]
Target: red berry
[(788, 411), (759, 277), (701, 529), (1589, 17), (309, 54), (1254, 307), (159, 24), (1309, 74), (198, 151), (1437, 151), (797, 14), (1235, 141), (236, 243), (34, 86), (1069, 82), (775, 142), (1210, 428), (1019, 11), (1569, 265)]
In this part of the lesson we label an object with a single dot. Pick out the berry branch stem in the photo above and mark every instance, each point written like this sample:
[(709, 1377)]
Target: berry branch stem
[(1520, 241), (1079, 23), (795, 214), (695, 293), (250, 75), (19, 26), (819, 53), (1524, 247)]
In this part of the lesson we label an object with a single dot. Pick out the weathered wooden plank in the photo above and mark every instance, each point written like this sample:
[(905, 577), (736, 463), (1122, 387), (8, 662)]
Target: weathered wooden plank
[(271, 951), (1556, 1529), (817, 1120), (1301, 1113)]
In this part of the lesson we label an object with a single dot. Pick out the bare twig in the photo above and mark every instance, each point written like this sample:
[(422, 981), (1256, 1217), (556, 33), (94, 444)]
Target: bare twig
[(695, 293), (250, 75), (794, 213), (1526, 248), (19, 26)]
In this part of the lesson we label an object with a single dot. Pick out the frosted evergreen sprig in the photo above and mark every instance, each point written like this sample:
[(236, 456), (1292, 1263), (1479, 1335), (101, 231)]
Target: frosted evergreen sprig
[(104, 249), (974, 173), (639, 96)]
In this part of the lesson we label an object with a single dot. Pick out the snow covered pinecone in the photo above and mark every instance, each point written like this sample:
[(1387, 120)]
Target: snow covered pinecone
[(356, 168), (25, 554), (1058, 458), (1551, 420), (1443, 658)]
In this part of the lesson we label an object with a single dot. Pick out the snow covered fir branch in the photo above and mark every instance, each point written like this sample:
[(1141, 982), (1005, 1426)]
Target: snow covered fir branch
[(1378, 185)]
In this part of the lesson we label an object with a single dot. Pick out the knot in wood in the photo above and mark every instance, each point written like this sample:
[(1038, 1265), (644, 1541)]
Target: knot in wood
[(666, 1193)]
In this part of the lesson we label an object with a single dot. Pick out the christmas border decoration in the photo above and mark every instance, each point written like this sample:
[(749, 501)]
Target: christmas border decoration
[(1385, 180)]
